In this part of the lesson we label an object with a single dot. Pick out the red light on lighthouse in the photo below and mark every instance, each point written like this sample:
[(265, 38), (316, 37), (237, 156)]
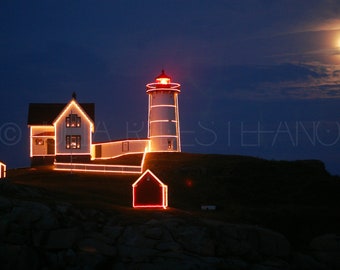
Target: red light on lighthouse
[(163, 78)]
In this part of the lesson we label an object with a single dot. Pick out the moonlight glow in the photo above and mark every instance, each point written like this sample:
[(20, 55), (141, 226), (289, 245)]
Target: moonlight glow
[(336, 40)]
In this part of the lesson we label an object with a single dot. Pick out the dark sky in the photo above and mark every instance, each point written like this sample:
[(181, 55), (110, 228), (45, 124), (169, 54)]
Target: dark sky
[(259, 77)]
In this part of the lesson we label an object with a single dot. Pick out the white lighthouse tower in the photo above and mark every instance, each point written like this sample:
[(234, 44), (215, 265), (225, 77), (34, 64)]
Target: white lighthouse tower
[(163, 121)]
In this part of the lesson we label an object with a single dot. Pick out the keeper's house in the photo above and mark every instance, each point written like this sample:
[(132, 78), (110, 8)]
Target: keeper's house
[(60, 132)]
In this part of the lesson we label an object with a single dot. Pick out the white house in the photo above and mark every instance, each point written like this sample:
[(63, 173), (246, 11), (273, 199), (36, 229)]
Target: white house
[(61, 132)]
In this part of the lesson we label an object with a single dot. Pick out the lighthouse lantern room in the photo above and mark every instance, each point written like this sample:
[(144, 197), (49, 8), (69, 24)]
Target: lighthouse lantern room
[(163, 114)]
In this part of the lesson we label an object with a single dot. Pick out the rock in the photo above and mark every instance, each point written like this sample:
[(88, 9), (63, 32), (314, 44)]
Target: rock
[(100, 237), (267, 242), (173, 223), (70, 257), (221, 263), (326, 249), (89, 226), (61, 239), (133, 236), (168, 246), (180, 260), (112, 232), (153, 222), (232, 240), (89, 261), (271, 264), (196, 239), (306, 262), (19, 257), (55, 260), (24, 216), (153, 233), (251, 242), (8, 255), (166, 265), (43, 208), (78, 214), (91, 245), (63, 208), (48, 221), (230, 246), (128, 253), (28, 259), (16, 238)]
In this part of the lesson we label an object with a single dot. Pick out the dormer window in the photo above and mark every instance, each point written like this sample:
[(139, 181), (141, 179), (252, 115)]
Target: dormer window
[(73, 120)]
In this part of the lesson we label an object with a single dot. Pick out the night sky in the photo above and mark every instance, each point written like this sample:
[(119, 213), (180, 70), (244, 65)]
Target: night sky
[(258, 78)]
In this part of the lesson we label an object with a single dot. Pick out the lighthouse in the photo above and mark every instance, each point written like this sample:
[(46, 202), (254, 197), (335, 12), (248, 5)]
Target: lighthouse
[(163, 115)]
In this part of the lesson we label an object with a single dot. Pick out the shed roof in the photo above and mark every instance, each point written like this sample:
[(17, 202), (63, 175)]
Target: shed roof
[(46, 113), (153, 177)]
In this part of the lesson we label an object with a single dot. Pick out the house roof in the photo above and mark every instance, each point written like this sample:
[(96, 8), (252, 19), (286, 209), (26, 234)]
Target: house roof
[(46, 113)]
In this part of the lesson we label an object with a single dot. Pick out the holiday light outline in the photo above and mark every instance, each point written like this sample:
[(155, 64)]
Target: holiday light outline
[(164, 191)]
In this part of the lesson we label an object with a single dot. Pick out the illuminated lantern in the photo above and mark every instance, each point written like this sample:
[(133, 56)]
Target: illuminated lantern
[(163, 116), (2, 170), (148, 191)]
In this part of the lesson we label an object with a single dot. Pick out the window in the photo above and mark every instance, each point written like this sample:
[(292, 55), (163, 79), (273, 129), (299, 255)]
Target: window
[(169, 145), (73, 141), (39, 141), (73, 120)]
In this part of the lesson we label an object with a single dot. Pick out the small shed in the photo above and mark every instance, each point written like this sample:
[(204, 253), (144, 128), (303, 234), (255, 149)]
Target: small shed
[(2, 170), (149, 191)]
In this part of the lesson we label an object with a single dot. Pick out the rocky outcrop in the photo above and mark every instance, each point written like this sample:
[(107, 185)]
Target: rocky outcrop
[(54, 235), (326, 248)]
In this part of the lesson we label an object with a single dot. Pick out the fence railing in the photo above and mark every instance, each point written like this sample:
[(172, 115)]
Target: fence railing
[(100, 168)]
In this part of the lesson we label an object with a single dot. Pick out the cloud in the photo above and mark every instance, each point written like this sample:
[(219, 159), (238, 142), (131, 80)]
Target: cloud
[(326, 25), (272, 82)]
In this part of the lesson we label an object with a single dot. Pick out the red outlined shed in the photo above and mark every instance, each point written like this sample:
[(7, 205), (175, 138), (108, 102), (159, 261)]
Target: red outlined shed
[(149, 191)]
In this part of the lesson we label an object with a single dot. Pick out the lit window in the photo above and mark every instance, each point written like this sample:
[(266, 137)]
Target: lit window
[(73, 141), (73, 120), (169, 144), (39, 142)]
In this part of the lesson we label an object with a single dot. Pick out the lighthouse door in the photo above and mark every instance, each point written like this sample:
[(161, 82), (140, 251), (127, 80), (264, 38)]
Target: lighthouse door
[(50, 146)]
